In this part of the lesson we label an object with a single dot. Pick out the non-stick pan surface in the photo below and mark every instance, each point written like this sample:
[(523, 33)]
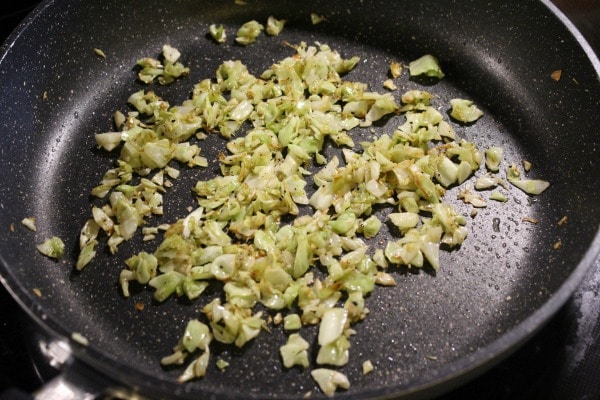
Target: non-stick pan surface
[(431, 331)]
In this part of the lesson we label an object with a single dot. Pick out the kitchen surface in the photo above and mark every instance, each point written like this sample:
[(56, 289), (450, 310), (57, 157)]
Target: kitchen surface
[(562, 361)]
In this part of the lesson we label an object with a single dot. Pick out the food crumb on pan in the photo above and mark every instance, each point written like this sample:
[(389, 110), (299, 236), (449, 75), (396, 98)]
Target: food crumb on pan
[(37, 292), (530, 220), (99, 53), (556, 75), (557, 245), (367, 367), (395, 69), (29, 223), (139, 306), (222, 364), (316, 18), (79, 338), (563, 220), (389, 84)]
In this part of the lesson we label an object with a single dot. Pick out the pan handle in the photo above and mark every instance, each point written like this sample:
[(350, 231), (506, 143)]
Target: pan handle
[(76, 380), (69, 385)]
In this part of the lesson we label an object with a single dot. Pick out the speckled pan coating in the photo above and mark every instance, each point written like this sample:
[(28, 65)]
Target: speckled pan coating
[(426, 335)]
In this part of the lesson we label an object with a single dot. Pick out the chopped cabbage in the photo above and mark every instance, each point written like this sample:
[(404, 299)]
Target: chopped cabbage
[(465, 111), (248, 32), (426, 65), (52, 247), (277, 125)]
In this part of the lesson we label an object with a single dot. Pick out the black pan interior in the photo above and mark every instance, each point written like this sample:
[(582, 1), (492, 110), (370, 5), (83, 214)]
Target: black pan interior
[(490, 294)]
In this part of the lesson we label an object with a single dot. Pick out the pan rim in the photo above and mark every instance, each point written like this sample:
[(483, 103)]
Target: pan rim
[(565, 21), (463, 367)]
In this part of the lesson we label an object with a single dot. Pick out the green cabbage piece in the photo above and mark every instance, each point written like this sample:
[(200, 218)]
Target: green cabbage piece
[(426, 65), (217, 32), (256, 229), (164, 72), (274, 26), (294, 352), (248, 32), (330, 380), (53, 247), (464, 110)]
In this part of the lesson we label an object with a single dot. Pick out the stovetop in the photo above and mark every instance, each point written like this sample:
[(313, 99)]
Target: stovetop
[(562, 361)]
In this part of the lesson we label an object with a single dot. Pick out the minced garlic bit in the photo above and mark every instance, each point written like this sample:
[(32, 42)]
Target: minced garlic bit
[(389, 84), (99, 53), (37, 292), (222, 364), (530, 220), (395, 69), (556, 75), (316, 18), (79, 338), (367, 367)]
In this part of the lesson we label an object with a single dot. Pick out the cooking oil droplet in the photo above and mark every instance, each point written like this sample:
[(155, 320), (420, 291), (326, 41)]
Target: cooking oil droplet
[(496, 224)]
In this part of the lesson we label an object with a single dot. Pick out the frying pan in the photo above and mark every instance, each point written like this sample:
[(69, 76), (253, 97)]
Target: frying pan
[(428, 334)]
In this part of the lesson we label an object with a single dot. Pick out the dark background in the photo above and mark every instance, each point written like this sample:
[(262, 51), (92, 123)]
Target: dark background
[(562, 361)]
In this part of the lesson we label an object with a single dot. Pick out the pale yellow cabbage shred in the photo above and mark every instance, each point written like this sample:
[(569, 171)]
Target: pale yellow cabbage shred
[(235, 234)]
